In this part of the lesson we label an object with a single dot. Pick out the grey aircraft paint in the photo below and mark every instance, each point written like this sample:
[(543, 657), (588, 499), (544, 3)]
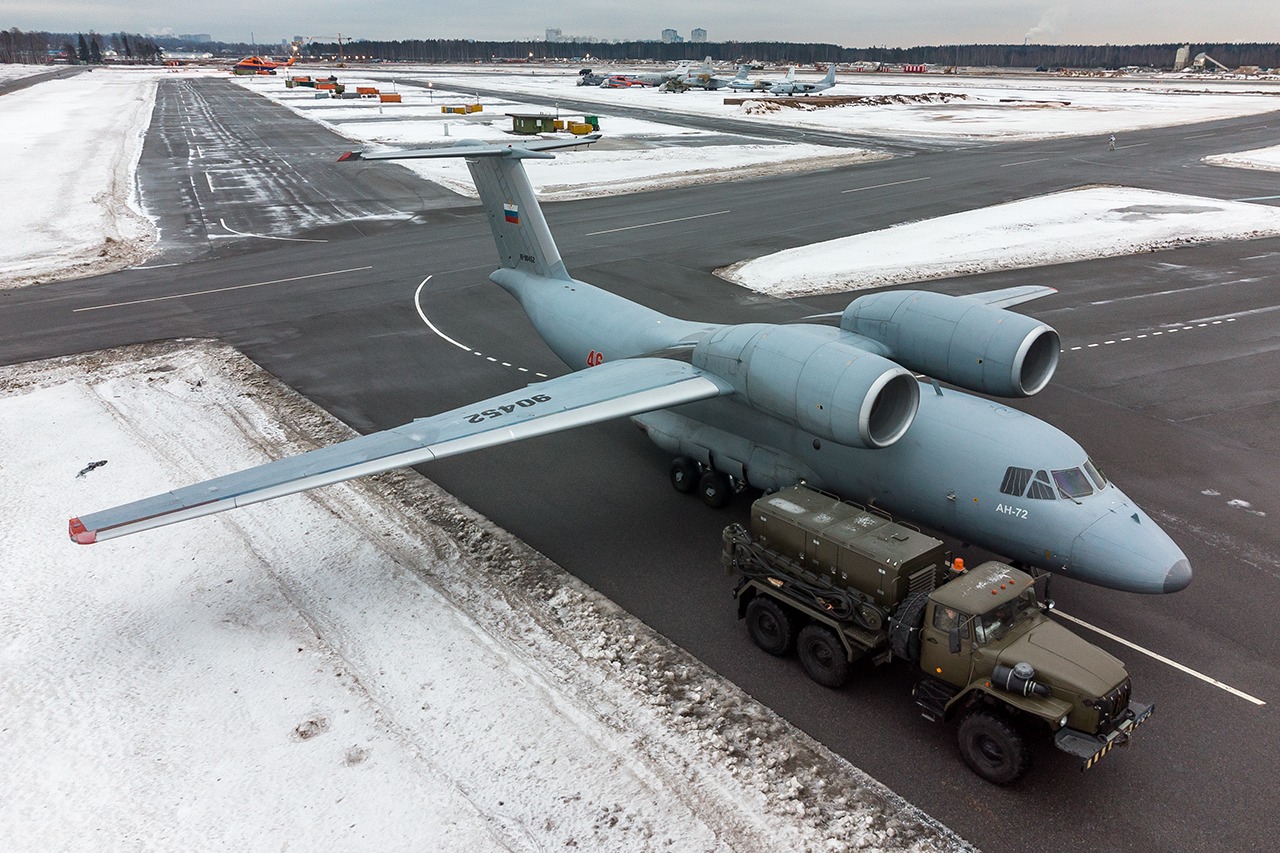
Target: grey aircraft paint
[(767, 405)]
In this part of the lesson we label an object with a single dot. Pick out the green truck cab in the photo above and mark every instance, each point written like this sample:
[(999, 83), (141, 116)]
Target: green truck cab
[(838, 582)]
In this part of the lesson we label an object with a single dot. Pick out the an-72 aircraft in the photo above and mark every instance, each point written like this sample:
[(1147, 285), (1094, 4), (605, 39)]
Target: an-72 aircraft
[(765, 405)]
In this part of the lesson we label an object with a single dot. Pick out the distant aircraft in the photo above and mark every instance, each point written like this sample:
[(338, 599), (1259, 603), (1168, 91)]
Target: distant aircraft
[(260, 65), (791, 86), (622, 81), (742, 83), (657, 78), (704, 78), (766, 406)]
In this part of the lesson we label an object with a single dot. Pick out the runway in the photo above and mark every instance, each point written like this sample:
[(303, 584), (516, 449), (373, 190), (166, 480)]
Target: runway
[(311, 267)]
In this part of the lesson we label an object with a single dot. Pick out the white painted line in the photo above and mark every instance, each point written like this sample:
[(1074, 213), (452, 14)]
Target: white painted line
[(1024, 162), (1134, 145), (209, 180), (223, 223), (1164, 660), (218, 290), (890, 184), (432, 326), (663, 222), (1200, 136)]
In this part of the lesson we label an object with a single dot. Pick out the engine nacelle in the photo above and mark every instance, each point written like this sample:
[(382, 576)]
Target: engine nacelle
[(958, 340), (816, 378)]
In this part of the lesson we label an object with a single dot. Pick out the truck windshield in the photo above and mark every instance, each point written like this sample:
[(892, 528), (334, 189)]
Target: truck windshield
[(995, 623)]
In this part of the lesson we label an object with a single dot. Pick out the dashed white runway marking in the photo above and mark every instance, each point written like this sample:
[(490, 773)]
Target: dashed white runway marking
[(663, 222), (417, 303), (1185, 327), (890, 184), (218, 290)]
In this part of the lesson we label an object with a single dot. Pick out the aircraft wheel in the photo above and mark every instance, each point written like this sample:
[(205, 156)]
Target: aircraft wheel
[(822, 656), (684, 474), (993, 747), (769, 625), (715, 488)]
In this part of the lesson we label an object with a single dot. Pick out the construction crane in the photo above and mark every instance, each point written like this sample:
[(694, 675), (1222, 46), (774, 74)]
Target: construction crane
[(338, 38)]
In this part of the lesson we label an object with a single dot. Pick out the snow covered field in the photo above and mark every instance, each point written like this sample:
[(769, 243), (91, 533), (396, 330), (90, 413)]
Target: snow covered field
[(1258, 158), (1093, 222), (365, 667)]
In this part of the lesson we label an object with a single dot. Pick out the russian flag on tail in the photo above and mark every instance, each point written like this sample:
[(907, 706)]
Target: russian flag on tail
[(512, 212)]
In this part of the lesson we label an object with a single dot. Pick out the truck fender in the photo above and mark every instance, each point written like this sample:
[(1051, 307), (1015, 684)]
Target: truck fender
[(1048, 709)]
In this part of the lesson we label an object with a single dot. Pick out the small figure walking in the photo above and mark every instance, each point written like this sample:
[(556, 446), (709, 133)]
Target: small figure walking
[(1111, 143)]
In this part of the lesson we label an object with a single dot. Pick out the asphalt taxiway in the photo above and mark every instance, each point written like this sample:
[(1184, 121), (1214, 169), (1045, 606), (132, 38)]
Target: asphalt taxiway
[(316, 277)]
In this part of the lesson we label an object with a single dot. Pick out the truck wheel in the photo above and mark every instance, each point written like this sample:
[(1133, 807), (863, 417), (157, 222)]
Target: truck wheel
[(822, 655), (904, 630), (769, 625), (715, 488), (684, 474), (993, 747)]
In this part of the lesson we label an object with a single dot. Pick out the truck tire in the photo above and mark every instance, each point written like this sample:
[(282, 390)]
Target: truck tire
[(822, 655), (904, 632), (684, 474), (715, 488), (769, 625), (993, 747)]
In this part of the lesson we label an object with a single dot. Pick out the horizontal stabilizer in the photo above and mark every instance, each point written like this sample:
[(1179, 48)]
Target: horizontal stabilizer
[(611, 390), (469, 148)]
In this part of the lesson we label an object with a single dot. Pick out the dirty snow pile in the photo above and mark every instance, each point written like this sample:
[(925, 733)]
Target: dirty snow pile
[(1075, 225), (67, 160), (368, 666), (1258, 158)]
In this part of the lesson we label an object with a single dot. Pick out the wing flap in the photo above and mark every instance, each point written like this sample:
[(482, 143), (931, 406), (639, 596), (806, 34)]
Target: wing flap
[(1010, 296), (612, 390)]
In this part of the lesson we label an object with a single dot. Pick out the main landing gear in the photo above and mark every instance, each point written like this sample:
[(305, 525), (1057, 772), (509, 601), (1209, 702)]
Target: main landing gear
[(715, 487)]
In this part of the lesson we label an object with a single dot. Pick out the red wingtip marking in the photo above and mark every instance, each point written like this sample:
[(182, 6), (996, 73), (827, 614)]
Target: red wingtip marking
[(80, 535), (350, 155)]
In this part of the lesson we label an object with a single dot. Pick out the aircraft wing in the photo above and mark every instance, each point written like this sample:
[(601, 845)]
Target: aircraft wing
[(473, 148), (611, 390), (1010, 296)]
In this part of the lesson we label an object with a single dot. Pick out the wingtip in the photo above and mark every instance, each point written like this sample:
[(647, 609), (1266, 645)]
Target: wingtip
[(350, 155), (80, 535)]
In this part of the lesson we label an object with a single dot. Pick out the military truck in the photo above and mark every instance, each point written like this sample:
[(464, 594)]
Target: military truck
[(838, 582)]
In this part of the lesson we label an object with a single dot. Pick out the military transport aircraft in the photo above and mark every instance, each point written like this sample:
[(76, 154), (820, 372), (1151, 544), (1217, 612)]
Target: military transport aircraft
[(764, 405), (743, 83), (792, 86)]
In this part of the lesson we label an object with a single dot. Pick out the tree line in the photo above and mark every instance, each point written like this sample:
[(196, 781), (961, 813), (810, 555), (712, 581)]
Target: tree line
[(78, 48), (39, 47), (1265, 55)]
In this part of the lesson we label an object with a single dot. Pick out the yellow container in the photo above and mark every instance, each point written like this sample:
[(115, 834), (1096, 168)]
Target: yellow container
[(580, 128), (474, 108)]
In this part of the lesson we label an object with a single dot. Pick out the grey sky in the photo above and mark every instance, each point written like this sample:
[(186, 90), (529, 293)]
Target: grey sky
[(898, 23)]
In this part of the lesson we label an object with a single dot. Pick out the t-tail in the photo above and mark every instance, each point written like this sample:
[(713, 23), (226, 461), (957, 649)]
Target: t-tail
[(583, 324)]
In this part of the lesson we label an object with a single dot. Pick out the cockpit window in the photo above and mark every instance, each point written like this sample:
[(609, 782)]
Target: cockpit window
[(1041, 489), (1015, 481), (1072, 483), (1095, 474)]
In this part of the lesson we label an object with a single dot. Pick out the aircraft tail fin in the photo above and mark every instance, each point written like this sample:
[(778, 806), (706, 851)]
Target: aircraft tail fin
[(830, 79), (742, 73), (520, 231)]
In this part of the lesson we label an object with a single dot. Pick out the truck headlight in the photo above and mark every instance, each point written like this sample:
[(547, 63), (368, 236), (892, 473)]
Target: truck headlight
[(1062, 724)]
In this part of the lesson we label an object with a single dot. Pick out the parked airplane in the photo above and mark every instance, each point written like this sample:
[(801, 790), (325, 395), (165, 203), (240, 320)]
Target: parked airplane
[(742, 83), (791, 86), (260, 65), (764, 405), (657, 78)]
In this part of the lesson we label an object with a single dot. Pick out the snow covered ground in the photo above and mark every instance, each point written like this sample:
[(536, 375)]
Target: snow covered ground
[(988, 109), (1091, 222), (67, 161), (1258, 158), (365, 667)]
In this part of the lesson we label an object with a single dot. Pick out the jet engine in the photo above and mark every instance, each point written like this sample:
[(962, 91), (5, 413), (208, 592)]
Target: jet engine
[(958, 340), (817, 378)]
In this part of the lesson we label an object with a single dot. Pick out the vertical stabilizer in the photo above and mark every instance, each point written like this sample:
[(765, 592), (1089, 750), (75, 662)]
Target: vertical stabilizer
[(523, 239), (519, 229)]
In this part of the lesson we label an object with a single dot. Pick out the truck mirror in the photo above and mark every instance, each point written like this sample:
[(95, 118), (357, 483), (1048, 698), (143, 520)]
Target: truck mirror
[(953, 636)]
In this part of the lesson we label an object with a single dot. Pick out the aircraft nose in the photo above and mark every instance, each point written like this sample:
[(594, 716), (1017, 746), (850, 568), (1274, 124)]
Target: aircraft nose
[(1125, 549), (1178, 577)]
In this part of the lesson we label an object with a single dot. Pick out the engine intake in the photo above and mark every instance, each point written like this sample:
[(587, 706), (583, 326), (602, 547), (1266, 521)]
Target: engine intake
[(958, 340), (817, 378)]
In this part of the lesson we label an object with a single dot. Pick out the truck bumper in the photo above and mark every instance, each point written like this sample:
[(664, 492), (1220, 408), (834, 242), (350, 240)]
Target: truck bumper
[(1091, 748)]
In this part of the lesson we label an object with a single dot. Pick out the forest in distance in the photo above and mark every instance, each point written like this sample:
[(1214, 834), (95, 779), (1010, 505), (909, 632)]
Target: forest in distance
[(44, 47)]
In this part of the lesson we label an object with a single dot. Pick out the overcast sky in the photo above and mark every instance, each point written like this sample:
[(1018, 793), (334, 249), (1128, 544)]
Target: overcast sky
[(896, 23)]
